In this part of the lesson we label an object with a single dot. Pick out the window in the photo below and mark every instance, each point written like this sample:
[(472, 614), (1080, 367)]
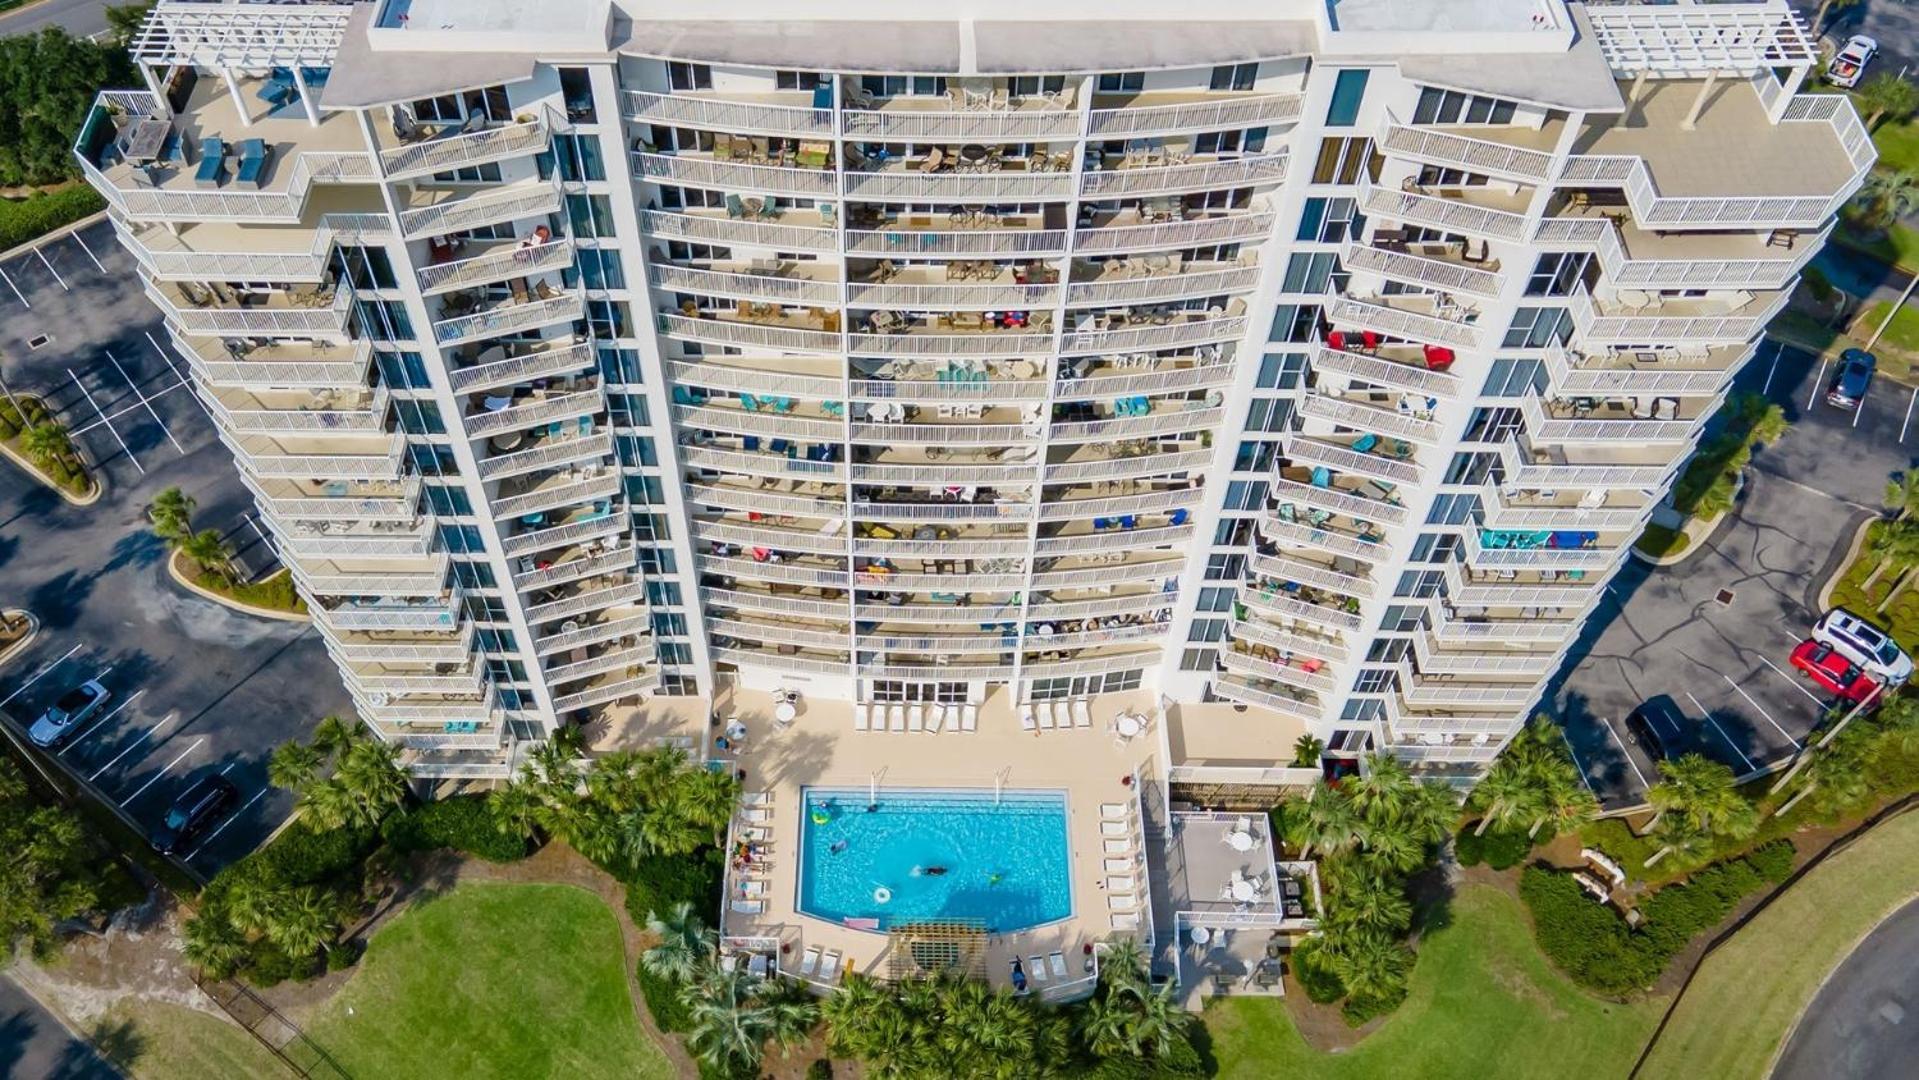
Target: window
[(620, 365), (1235, 76), (1438, 106), (382, 320), (1475, 467), (1440, 176), (462, 539), (1035, 85), (402, 370), (684, 76), (1328, 221), (1225, 567), (490, 102), (1561, 273), (576, 89), (1198, 659), (429, 460), (1295, 323), (1214, 598), (677, 685), (591, 215), (669, 624), (448, 501), (1492, 425), (1341, 157), (1255, 456), (1536, 328), (1122, 82), (609, 318), (579, 157), (1207, 630), (1403, 618), (1115, 682), (1438, 548), (800, 80), (1280, 371), (1454, 509), (663, 594), (365, 267), (1387, 650), (1245, 495), (1311, 271), (1233, 532), (1269, 415), (419, 417), (1251, 141), (488, 173), (442, 109), (496, 641), (1348, 91), (473, 575), (1511, 377), (599, 268)]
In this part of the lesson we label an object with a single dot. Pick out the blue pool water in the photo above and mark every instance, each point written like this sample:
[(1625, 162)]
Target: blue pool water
[(1006, 863)]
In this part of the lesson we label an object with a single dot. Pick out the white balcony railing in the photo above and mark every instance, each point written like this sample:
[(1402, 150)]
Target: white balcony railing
[(1166, 287), (1338, 501), (549, 453), (725, 115), (792, 290), (1005, 186), (1361, 416), (1003, 241), (995, 126), (1482, 156), (553, 406), (1402, 375), (509, 319), (1451, 215), (1211, 230), (749, 335), (1400, 322), (1442, 274), (735, 176), (472, 148), (1240, 110), (486, 207), (661, 223), (1268, 168), (494, 266), (543, 364)]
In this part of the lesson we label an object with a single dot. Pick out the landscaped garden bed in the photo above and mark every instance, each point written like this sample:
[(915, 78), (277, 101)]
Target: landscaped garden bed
[(40, 444)]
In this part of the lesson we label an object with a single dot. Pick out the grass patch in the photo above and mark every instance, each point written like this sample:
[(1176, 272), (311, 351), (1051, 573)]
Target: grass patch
[(492, 981), (157, 1040), (276, 592), (1898, 245), (1660, 542), (1900, 618), (1822, 917), (1484, 1004), (1903, 334), (1898, 145), (20, 413), (1802, 329)]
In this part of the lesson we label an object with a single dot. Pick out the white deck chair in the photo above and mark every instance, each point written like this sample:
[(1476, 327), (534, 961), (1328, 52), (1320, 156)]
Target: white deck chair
[(1062, 715), (1114, 828), (1056, 963), (756, 798), (1125, 922), (1114, 811), (749, 907), (756, 833), (1082, 714), (896, 718), (1026, 721), (936, 721), (860, 717), (1036, 968), (1119, 866), (915, 719), (1119, 847), (1045, 716), (1122, 883), (969, 718), (758, 815), (809, 962), (1122, 903), (752, 889), (830, 966)]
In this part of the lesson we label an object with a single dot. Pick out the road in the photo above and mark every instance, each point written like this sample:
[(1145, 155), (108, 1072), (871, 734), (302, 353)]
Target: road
[(81, 18), (35, 1044), (1893, 24), (1702, 646), (196, 687), (1861, 1024)]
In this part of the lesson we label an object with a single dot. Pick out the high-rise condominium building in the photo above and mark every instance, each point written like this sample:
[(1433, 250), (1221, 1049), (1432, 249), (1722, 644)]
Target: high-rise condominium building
[(1322, 358)]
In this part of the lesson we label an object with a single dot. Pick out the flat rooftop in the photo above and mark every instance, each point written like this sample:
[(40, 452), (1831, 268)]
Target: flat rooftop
[(489, 16), (1437, 16), (1733, 149)]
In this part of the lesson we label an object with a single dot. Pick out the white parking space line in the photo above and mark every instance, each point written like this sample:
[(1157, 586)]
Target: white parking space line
[(109, 423), (76, 740), (122, 411), (177, 373), (1626, 753), (1858, 411), (51, 270), (144, 736), (1817, 383), (264, 537), (1796, 744), (51, 664), (1677, 727), (1583, 778), (4, 276), (231, 818), (1910, 402), (89, 251), (163, 771), (1810, 696), (144, 400), (1720, 730)]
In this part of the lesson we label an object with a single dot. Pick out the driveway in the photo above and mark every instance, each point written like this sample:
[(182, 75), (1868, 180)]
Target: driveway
[(1861, 1025), (81, 18), (33, 1043), (196, 687), (1702, 646), (1892, 23)]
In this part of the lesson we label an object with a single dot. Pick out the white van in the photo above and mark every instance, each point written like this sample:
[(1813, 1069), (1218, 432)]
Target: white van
[(1867, 645)]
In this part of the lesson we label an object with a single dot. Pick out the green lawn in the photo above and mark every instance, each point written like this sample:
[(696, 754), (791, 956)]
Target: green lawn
[(492, 980), (1900, 618), (1898, 145), (1767, 975), (156, 1040), (1484, 1005), (1903, 334), (1900, 246)]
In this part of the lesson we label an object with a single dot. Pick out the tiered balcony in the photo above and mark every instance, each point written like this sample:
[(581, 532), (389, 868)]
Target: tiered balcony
[(532, 451), (1633, 258), (780, 114), (520, 410), (358, 457), (1424, 691), (1367, 500), (349, 614), (431, 212), (1484, 631), (580, 599), (1640, 421), (779, 333), (932, 119), (1268, 664), (1148, 280), (267, 412), (1412, 317), (1129, 230), (578, 526), (895, 231), (1013, 180), (1402, 367), (276, 364), (1518, 153), (986, 287), (1282, 700), (715, 227), (1529, 550), (1288, 602), (303, 312), (545, 308), (1529, 465), (508, 365), (1502, 588), (1165, 114), (1477, 212), (1281, 567), (780, 282), (1691, 371), (1357, 409), (532, 498), (1153, 332), (722, 374), (1117, 180), (713, 172), (495, 262), (1525, 510), (1319, 538), (402, 646), (1428, 271), (406, 541), (592, 629), (1288, 641), (1673, 322), (1435, 658), (307, 500), (454, 148), (323, 578), (620, 657), (225, 251)]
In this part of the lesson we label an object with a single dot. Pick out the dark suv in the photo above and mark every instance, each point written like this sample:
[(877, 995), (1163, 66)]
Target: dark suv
[(192, 811), (1640, 729)]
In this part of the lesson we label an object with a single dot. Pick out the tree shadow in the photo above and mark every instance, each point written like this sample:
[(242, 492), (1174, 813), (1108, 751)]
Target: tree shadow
[(119, 1041)]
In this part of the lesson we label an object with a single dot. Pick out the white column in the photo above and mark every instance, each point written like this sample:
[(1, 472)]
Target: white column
[(306, 97), (156, 88), (239, 100)]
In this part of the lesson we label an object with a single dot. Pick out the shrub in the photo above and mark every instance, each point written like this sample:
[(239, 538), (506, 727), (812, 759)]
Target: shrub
[(271, 967), (1500, 849), (820, 1069), (1818, 285), (22, 220), (344, 955), (666, 1000), (462, 823), (658, 883), (1315, 975), (1773, 860), (1658, 541)]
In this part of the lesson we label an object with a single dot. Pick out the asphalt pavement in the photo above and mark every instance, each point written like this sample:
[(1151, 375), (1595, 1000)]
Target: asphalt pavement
[(1702, 646), (34, 1043), (196, 687), (1892, 23), (81, 18), (1862, 1025)]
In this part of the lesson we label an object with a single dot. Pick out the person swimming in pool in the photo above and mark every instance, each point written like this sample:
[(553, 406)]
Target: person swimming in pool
[(936, 871), (994, 879), (836, 847)]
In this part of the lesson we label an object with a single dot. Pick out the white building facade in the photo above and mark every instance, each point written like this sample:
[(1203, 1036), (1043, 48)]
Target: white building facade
[(1324, 359)]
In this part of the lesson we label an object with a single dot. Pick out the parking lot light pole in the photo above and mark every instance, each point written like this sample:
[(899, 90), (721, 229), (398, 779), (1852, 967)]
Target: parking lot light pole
[(1887, 321)]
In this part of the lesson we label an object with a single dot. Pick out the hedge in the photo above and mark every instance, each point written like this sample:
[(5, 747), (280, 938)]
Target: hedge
[(462, 823), (658, 883), (1592, 944), (1501, 849), (27, 219)]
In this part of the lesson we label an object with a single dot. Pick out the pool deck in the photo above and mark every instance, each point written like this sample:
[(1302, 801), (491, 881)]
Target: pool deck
[(821, 749)]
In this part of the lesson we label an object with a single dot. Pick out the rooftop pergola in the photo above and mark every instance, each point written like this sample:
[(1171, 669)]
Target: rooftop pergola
[(240, 36), (1690, 40)]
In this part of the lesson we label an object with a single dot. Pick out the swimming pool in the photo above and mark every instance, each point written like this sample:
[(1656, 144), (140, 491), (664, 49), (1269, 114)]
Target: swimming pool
[(1002, 861)]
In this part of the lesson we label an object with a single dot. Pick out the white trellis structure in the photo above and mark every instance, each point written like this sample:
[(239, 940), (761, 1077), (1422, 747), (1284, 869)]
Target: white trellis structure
[(241, 36), (1690, 39)]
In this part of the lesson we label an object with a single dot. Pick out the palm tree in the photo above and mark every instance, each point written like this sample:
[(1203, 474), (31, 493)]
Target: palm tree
[(252, 903), (515, 808), (852, 1013), (1369, 899), (708, 797), (1892, 544), (1887, 95), (294, 765), (1902, 493), (371, 774), (1381, 790), (1306, 751), (791, 1013), (1373, 965), (1887, 196), (334, 734), (1109, 1026), (1161, 1018), (303, 923), (1509, 792), (46, 442), (729, 1031), (207, 549), (1329, 822), (213, 944), (685, 943), (1698, 799), (172, 514), (330, 803), (1567, 802), (1122, 965)]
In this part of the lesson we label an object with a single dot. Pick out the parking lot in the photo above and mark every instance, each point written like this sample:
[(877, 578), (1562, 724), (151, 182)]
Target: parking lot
[(1703, 645), (195, 686)]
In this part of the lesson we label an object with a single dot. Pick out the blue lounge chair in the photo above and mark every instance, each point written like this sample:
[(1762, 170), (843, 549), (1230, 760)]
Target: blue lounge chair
[(213, 163), (1365, 443), (253, 162)]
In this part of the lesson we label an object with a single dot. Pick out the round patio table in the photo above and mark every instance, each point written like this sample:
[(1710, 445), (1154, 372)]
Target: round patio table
[(1200, 935), (1240, 841), (973, 152), (1243, 890), (1127, 726)]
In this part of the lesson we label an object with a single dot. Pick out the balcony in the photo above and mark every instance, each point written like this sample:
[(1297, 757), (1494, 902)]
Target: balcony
[(1154, 331), (1152, 501), (952, 336), (579, 526), (1319, 538), (1633, 258), (719, 374), (734, 419), (1402, 367), (782, 116), (373, 540), (1502, 588), (1088, 381), (1146, 281), (1136, 572), (276, 364), (1418, 690), (1335, 453), (1270, 664), (1472, 211), (508, 365), (521, 499), (432, 212), (1612, 321), (804, 607), (294, 457), (781, 335), (1515, 631), (880, 230), (592, 630), (1641, 421), (1296, 640), (1310, 572), (305, 500), (329, 579), (308, 311), (768, 660), (1130, 230), (711, 172), (580, 600), (457, 147), (768, 279), (1128, 461), (545, 308), (1373, 412), (1515, 152), (1118, 180), (753, 499), (731, 229), (1515, 510), (1569, 547), (1549, 467), (630, 663), (1414, 317), (1286, 701), (401, 647), (1113, 539), (346, 411), (1286, 601), (726, 531), (533, 451), (1170, 417), (440, 613), (898, 119), (1013, 180), (1364, 501), (493, 414), (404, 681), (226, 252), (499, 261), (1680, 372), (760, 463), (986, 286), (1428, 271), (1148, 116), (1435, 659)]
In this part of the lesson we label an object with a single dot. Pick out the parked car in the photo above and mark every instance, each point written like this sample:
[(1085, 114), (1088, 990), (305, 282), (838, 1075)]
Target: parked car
[(1833, 670), (1849, 66), (74, 708), (202, 803), (1865, 644), (1640, 729), (1849, 383)]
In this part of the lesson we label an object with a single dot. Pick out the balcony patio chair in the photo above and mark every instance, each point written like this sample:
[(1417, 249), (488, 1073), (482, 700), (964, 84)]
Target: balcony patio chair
[(769, 210), (969, 719), (1026, 720), (735, 208), (213, 163)]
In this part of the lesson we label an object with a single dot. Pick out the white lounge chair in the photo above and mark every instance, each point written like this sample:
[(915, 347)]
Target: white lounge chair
[(1119, 847), (1114, 811), (1056, 963), (756, 798), (1045, 716), (758, 815), (1082, 713), (936, 720), (749, 907), (809, 962), (1122, 903), (860, 717), (1026, 721), (1114, 828), (969, 718), (1036, 968), (915, 719), (1119, 866), (1122, 883), (1126, 922), (830, 966), (752, 889), (896, 718)]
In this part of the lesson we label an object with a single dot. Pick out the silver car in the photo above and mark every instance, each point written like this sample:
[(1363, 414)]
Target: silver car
[(1864, 644), (74, 708)]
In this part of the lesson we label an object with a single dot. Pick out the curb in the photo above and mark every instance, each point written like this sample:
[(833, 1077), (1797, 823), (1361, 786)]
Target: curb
[(173, 570), (70, 227), (1852, 556), (93, 473), (33, 631)]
